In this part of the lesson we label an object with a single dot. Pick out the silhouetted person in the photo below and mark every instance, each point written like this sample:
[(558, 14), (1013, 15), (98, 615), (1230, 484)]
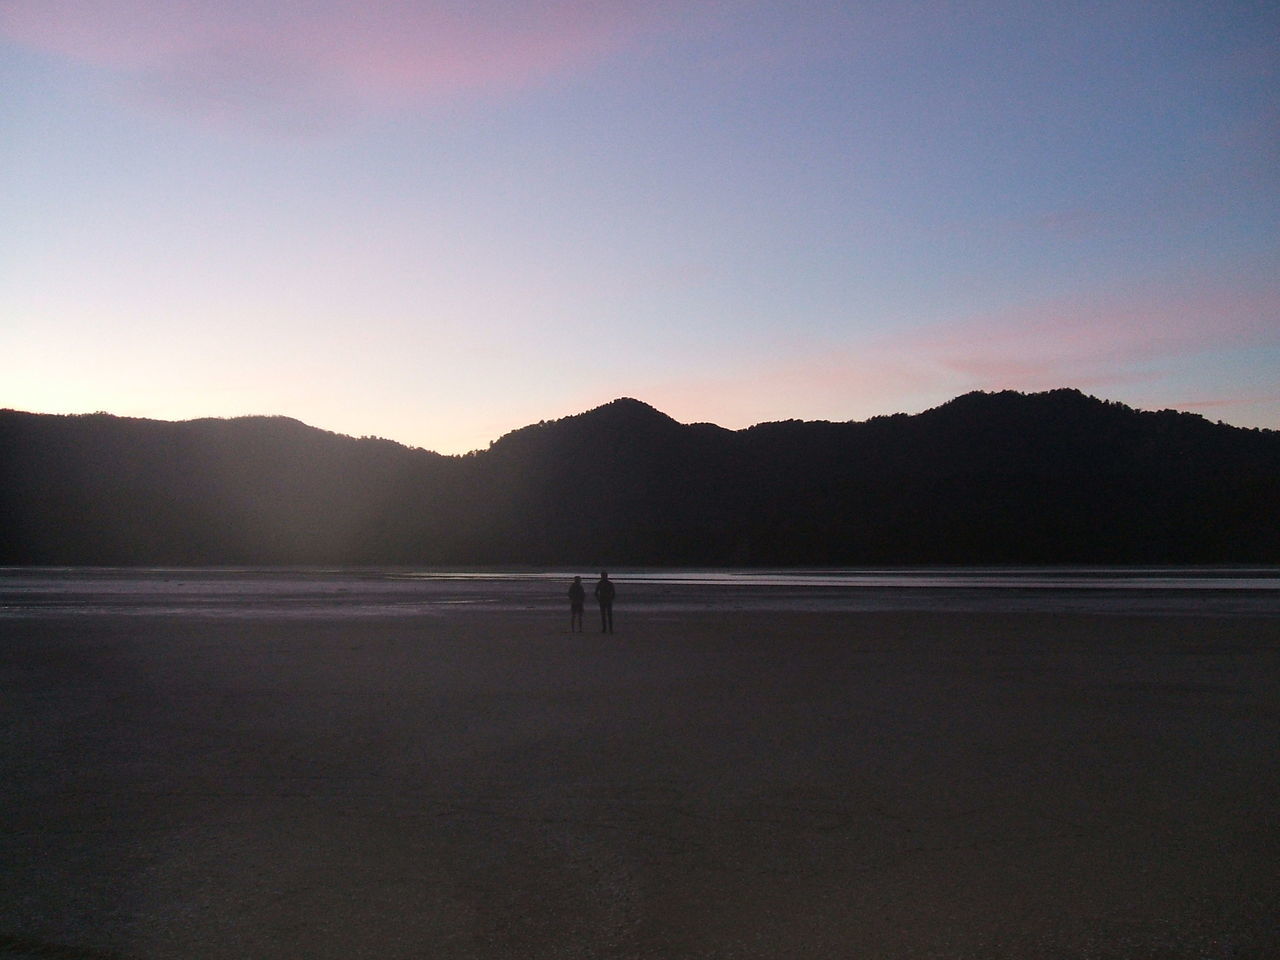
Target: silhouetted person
[(577, 598), (604, 597)]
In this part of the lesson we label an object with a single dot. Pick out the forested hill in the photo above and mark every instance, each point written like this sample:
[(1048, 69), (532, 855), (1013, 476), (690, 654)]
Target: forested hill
[(1053, 477)]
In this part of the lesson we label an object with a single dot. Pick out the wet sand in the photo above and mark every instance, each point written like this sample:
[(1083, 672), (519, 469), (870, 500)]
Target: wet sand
[(749, 784)]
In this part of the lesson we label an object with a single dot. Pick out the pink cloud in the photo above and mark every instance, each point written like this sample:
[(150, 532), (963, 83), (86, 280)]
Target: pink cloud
[(1242, 399), (1108, 344), (372, 54), (1106, 338)]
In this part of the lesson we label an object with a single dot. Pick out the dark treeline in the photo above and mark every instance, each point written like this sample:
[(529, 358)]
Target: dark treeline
[(1054, 477)]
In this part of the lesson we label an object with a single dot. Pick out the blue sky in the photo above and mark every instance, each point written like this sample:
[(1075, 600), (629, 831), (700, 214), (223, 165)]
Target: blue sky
[(437, 222)]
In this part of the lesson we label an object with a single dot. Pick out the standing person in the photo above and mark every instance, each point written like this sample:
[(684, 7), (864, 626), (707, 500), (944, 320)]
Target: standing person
[(604, 597), (577, 597)]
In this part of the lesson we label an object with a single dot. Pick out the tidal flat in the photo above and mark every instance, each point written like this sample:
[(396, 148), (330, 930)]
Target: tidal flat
[(279, 765)]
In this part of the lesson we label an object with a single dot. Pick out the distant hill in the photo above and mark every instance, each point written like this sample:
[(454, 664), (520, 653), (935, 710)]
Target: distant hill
[(1055, 477)]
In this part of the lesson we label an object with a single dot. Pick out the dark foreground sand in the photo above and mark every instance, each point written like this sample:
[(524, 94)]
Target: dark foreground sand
[(736, 785)]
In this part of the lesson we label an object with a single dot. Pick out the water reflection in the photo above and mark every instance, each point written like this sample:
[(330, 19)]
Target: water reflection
[(1023, 578), (366, 593)]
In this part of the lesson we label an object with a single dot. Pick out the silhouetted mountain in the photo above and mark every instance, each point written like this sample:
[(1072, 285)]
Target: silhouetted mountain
[(99, 489), (1054, 477)]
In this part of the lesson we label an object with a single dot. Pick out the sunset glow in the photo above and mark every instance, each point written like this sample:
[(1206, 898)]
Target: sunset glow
[(437, 222)]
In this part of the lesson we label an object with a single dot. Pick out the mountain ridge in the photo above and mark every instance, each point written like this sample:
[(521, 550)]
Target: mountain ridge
[(624, 407), (1005, 477)]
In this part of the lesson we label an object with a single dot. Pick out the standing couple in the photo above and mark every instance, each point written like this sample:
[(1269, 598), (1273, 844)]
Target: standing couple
[(604, 597)]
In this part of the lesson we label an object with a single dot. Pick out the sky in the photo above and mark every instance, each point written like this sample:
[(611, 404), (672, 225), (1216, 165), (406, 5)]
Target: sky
[(437, 222)]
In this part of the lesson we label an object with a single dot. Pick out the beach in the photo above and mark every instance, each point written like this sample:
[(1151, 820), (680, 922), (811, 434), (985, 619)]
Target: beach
[(714, 780)]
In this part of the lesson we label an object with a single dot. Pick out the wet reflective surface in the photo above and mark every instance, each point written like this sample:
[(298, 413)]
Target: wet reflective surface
[(359, 593)]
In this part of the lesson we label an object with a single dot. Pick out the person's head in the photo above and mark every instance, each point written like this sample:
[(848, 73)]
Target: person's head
[(604, 574), (577, 579)]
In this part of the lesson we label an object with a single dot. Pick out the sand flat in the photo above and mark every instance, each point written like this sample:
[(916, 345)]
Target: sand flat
[(714, 784)]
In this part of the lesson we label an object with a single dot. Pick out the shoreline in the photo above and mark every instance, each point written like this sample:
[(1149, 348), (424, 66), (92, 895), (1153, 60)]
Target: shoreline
[(376, 592)]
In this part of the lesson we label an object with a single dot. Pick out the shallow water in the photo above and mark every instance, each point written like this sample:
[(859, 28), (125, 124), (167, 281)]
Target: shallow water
[(406, 592)]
